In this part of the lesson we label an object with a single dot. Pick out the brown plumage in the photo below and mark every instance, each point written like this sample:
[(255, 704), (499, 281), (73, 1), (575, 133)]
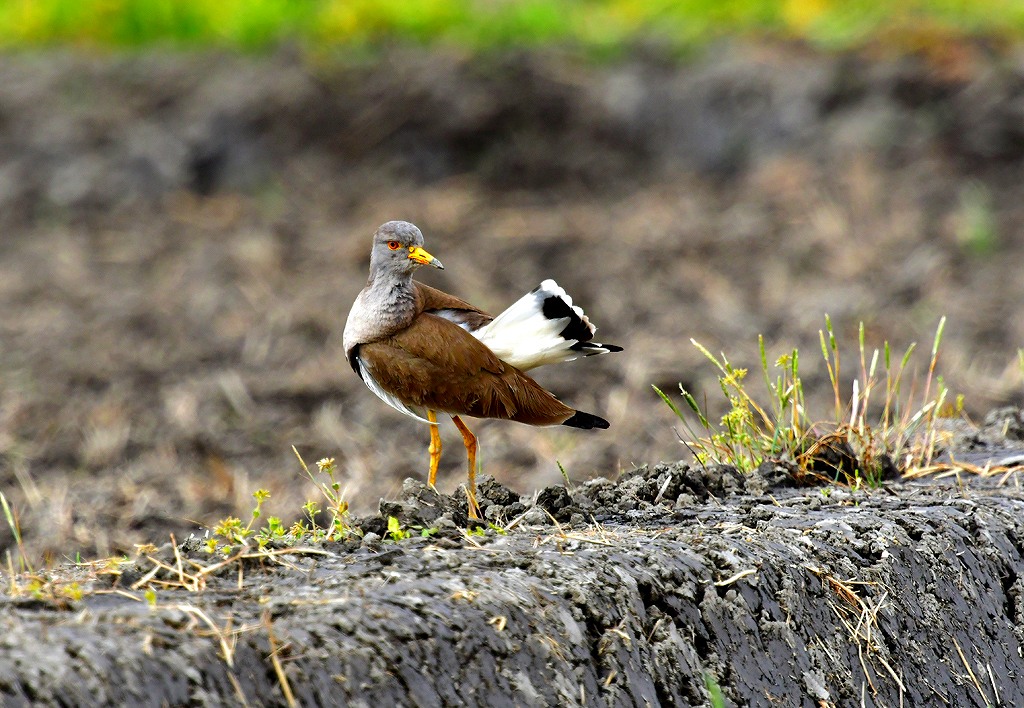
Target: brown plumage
[(422, 350)]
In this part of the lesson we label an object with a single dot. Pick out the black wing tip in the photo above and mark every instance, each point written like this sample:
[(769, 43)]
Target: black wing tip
[(579, 328), (586, 421)]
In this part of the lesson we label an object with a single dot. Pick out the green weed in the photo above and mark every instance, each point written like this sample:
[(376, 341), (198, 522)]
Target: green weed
[(395, 530), (396, 533), (482, 529)]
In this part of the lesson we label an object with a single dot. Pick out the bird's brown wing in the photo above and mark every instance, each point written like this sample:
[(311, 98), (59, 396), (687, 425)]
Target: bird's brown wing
[(435, 363), (453, 309)]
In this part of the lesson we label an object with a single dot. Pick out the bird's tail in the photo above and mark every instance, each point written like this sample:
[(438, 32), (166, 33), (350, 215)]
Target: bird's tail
[(587, 421), (542, 327)]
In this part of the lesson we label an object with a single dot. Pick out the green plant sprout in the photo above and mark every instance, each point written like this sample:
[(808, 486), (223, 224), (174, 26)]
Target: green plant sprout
[(395, 530)]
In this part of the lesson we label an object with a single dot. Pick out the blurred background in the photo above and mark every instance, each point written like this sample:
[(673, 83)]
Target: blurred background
[(188, 189)]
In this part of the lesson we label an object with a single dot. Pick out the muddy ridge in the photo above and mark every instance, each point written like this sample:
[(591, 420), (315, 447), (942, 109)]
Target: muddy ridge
[(906, 595)]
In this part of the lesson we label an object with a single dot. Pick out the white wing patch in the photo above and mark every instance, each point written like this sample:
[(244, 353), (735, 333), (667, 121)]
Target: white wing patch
[(523, 337), (417, 412)]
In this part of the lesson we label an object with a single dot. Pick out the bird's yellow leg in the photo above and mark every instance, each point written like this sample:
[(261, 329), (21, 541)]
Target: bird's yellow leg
[(434, 449), (470, 440)]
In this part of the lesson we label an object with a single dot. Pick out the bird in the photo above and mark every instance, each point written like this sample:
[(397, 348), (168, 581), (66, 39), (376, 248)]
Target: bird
[(424, 351)]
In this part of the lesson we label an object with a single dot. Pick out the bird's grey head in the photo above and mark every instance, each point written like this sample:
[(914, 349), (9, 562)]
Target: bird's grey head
[(398, 249)]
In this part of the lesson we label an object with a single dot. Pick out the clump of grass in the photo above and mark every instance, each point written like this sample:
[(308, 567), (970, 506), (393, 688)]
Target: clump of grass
[(863, 439)]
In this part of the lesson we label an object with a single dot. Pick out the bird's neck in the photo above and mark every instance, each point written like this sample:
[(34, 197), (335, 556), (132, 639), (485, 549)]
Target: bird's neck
[(385, 306), (386, 285), (393, 298)]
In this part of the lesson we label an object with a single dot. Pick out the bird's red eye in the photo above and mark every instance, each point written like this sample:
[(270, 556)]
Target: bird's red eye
[(394, 245)]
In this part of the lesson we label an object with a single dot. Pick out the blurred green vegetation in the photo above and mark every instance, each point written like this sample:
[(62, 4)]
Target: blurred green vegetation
[(592, 25)]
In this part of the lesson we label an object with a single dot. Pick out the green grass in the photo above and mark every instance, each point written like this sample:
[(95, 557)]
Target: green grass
[(884, 419), (599, 26)]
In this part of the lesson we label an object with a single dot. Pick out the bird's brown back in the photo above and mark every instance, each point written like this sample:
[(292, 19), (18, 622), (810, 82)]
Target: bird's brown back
[(435, 363)]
